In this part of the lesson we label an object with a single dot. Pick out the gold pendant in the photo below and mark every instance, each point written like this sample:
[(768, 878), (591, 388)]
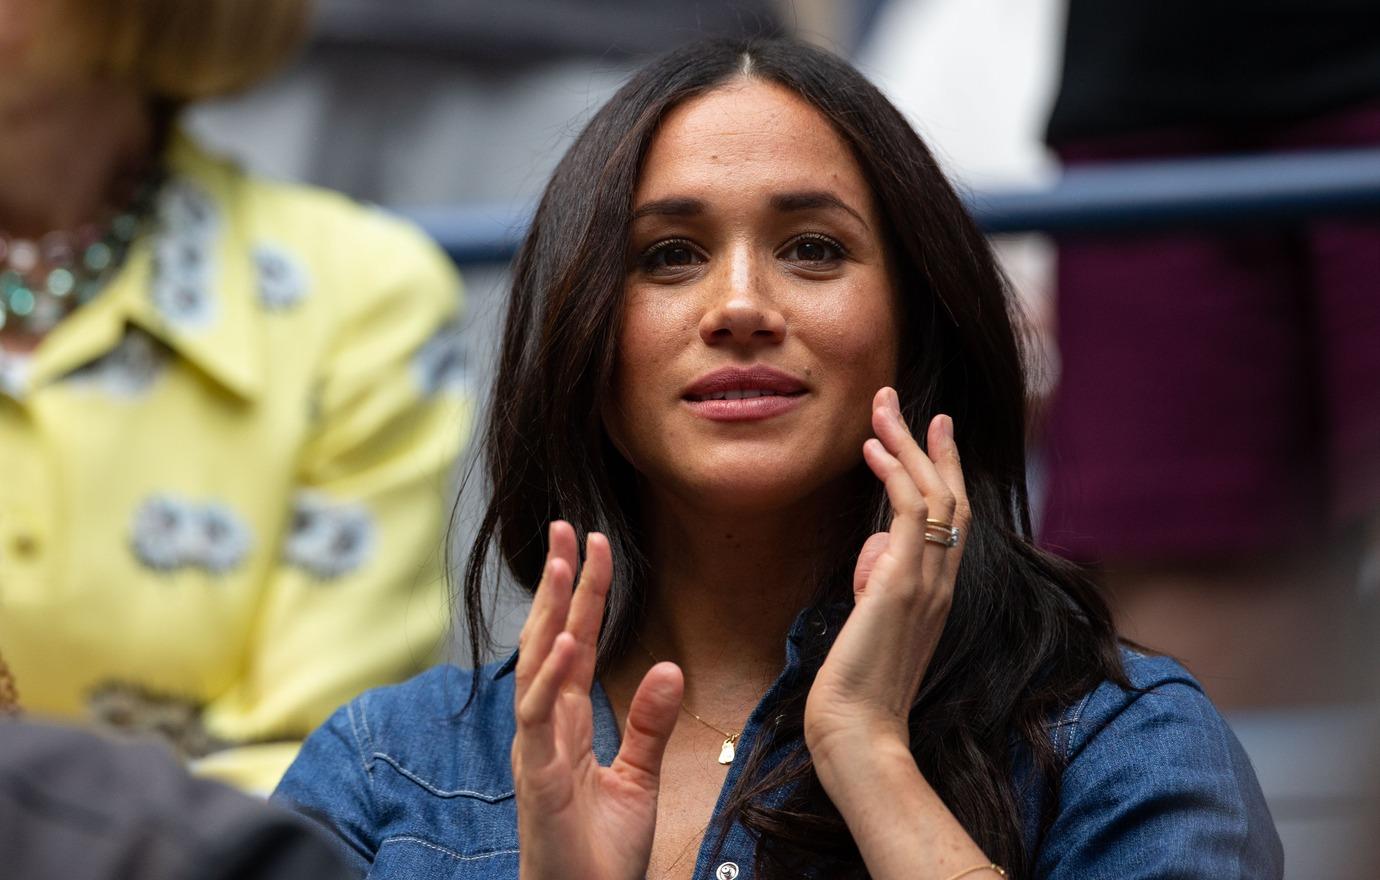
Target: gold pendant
[(726, 753)]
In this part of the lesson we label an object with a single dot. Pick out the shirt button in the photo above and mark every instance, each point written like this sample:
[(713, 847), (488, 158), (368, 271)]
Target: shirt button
[(726, 871)]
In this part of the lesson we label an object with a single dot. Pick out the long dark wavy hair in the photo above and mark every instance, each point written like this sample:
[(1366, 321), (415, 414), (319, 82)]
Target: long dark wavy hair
[(1027, 633)]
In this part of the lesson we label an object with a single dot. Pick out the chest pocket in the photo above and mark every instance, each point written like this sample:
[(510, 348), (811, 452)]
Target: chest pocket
[(417, 858), (439, 831)]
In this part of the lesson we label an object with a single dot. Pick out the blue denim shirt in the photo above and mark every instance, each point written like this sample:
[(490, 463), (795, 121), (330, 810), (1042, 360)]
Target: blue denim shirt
[(1156, 785)]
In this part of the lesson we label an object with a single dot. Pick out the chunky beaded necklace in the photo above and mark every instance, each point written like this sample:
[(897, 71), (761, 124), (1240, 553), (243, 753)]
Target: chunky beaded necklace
[(42, 281)]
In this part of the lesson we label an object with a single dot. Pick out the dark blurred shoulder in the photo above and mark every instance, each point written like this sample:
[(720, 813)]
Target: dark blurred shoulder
[(78, 805)]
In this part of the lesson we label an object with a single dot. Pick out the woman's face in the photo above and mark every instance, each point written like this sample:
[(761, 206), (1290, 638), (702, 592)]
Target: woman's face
[(19, 28), (759, 315), (39, 57)]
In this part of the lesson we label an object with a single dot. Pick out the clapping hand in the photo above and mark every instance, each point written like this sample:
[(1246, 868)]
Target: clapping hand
[(902, 588), (576, 818)]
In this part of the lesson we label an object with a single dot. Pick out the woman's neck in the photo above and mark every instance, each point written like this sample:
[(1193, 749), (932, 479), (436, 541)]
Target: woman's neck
[(725, 588), (63, 148)]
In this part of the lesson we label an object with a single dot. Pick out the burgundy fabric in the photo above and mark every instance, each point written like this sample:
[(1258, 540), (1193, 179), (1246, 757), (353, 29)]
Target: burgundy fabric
[(1219, 394)]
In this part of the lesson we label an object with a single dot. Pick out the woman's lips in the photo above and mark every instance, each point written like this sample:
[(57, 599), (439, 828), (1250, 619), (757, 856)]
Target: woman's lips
[(745, 409), (744, 393)]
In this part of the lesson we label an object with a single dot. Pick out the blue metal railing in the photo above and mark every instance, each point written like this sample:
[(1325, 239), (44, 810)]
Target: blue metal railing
[(1273, 189), (1244, 190)]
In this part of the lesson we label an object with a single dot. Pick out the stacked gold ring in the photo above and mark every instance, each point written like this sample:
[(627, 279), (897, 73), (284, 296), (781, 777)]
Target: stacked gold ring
[(942, 533)]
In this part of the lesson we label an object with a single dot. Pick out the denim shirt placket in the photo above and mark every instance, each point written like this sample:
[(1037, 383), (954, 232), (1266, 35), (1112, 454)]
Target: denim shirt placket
[(733, 860)]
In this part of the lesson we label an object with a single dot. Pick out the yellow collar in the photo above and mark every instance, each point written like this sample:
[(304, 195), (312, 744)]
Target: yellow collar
[(201, 303)]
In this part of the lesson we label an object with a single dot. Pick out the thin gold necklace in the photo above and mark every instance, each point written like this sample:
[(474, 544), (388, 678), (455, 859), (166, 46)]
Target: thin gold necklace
[(729, 748)]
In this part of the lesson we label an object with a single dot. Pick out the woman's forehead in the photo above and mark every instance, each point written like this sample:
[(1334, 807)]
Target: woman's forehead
[(748, 135)]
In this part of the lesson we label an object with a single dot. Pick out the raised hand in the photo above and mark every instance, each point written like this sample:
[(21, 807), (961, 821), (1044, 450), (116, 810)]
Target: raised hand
[(902, 589), (576, 818)]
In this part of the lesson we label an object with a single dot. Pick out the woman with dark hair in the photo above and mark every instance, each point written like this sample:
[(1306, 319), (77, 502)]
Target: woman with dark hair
[(745, 286)]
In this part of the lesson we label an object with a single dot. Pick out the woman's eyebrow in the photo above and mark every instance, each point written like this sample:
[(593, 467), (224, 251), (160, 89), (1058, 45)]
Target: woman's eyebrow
[(812, 200), (673, 207), (806, 200)]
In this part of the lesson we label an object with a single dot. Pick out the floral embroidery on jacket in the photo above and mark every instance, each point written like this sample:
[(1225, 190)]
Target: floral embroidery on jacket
[(328, 539), (186, 208), (183, 255), (222, 538), (282, 280), (170, 533), (14, 374), (128, 370)]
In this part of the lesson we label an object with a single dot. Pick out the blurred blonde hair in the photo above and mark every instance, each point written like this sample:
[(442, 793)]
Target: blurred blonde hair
[(180, 50)]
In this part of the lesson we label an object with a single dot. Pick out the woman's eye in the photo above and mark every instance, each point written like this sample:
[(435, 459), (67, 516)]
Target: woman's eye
[(670, 257), (817, 250)]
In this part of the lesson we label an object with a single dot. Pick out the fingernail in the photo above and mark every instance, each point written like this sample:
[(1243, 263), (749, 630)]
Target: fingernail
[(894, 399), (946, 427)]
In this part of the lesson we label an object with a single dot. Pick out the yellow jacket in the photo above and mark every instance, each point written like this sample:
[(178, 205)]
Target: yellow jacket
[(223, 482)]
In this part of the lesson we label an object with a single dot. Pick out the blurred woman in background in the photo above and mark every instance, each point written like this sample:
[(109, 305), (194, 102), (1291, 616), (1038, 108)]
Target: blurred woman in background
[(227, 407), (1214, 443)]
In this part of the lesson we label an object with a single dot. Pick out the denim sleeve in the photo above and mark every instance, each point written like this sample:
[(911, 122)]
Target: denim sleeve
[(1156, 788), (332, 782)]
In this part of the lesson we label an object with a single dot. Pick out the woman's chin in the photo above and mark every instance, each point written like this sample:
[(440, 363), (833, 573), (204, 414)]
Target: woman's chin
[(747, 490)]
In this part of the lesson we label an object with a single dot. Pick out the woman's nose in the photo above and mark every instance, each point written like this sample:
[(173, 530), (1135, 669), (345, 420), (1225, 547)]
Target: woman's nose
[(744, 309)]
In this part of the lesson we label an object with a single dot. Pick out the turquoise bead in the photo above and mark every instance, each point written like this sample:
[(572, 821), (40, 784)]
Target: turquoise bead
[(97, 256), (22, 302), (60, 282)]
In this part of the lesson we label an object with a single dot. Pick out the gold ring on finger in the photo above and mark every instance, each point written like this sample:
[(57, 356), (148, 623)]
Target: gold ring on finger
[(945, 536)]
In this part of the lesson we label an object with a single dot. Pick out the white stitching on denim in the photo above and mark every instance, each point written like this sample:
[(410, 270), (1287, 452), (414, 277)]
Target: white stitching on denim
[(1074, 718), (364, 761), (364, 718), (441, 792), (450, 852)]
